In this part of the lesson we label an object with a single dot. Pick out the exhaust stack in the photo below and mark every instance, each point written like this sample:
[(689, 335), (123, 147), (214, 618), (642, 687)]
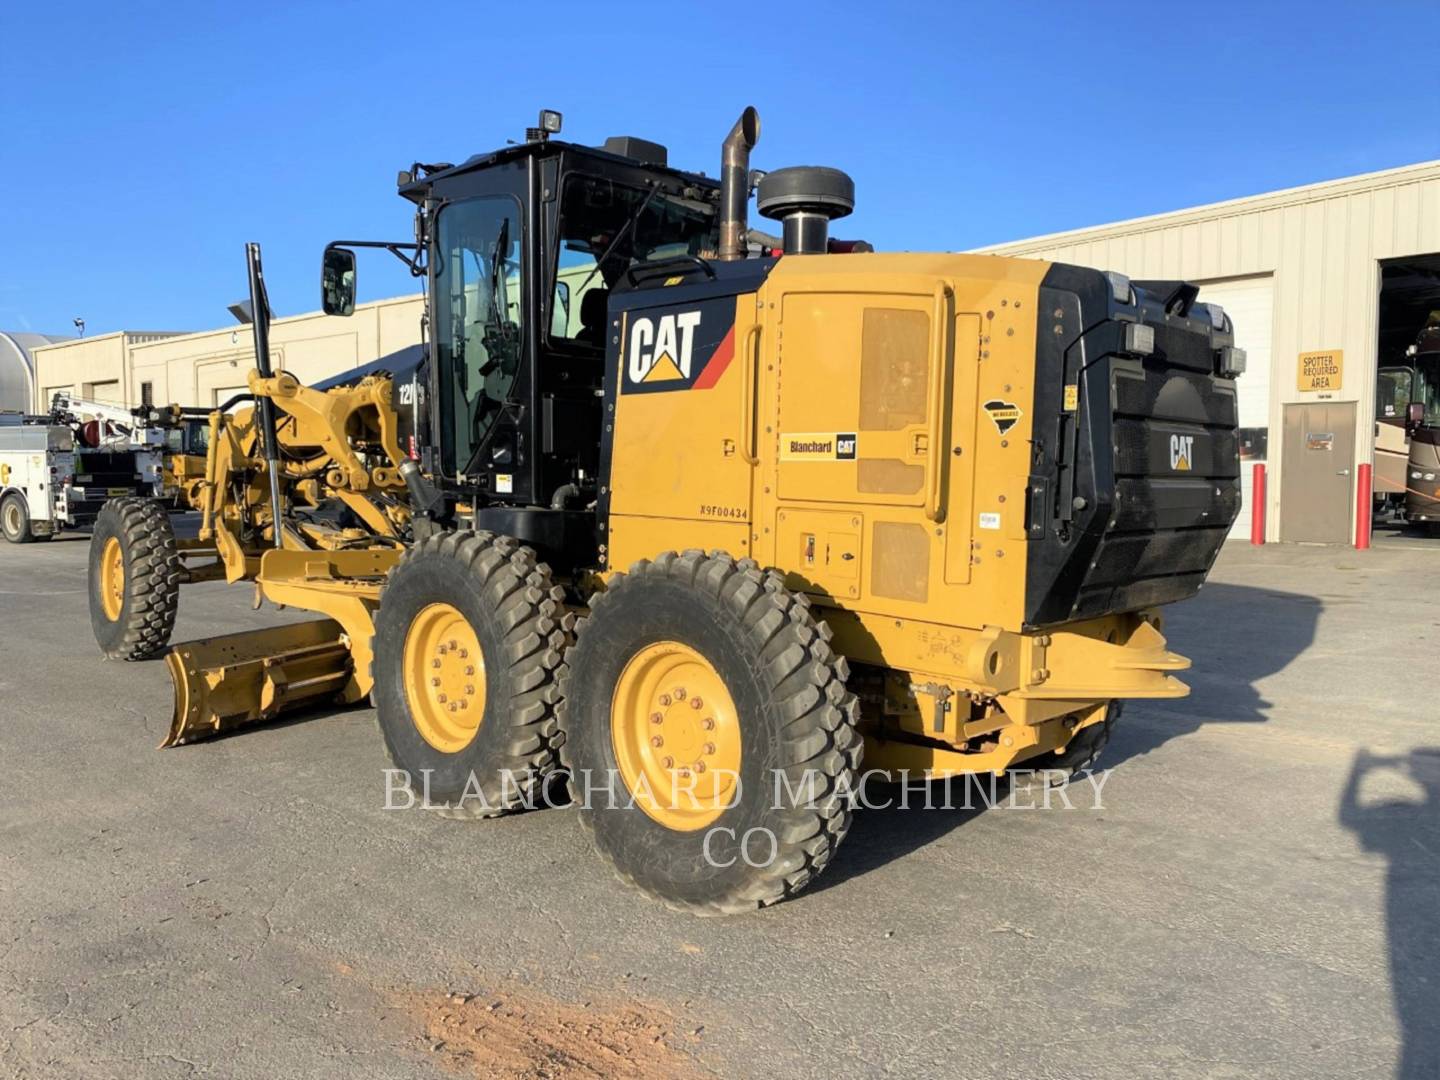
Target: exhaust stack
[(735, 182)]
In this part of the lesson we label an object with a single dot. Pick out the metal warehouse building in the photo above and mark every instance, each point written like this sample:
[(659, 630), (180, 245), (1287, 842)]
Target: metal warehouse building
[(206, 368), (1325, 284)]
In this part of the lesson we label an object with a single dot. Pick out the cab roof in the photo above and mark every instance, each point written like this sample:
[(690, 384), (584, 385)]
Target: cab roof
[(417, 189)]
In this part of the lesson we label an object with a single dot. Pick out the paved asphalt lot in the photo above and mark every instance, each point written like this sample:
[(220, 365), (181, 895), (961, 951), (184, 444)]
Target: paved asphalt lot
[(247, 907)]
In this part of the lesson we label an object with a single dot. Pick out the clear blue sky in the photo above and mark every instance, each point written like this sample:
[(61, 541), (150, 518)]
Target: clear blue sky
[(142, 144)]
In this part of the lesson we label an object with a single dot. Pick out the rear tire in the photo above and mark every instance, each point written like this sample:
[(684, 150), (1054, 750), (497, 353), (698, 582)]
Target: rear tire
[(135, 577), (469, 638), (725, 844), (1078, 757), (15, 518)]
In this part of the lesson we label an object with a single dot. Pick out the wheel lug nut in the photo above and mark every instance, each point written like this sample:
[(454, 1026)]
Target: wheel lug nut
[(664, 699), (469, 691), (696, 703), (441, 698), (464, 653), (454, 644), (709, 748), (708, 723), (454, 707), (435, 681), (657, 718), (469, 669), (656, 741), (441, 649), (699, 766), (669, 762), (464, 705), (434, 663), (679, 693)]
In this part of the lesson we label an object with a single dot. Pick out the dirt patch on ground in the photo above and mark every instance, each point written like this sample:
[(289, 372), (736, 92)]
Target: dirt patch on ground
[(518, 1033)]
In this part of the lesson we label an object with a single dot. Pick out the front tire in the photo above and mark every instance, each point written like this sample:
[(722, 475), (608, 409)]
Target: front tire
[(685, 801), (134, 579), (15, 518), (469, 638)]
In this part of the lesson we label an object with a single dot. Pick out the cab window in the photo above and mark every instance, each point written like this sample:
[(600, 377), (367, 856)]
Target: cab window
[(192, 437), (605, 228), (1393, 394), (1427, 386), (478, 317)]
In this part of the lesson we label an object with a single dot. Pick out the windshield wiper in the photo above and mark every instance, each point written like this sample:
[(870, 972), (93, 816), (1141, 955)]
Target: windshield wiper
[(634, 219), (497, 267)]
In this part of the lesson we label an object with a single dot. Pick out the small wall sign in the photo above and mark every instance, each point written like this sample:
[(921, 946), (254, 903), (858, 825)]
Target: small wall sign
[(1321, 371)]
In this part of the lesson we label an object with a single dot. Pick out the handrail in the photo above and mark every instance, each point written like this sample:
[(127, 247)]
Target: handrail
[(940, 350), (685, 264), (751, 370)]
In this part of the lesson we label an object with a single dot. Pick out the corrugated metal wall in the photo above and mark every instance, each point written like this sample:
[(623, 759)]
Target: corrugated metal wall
[(1322, 243)]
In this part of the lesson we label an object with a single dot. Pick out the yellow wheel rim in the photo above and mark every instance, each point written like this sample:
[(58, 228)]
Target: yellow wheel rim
[(444, 678), (676, 735), (112, 579)]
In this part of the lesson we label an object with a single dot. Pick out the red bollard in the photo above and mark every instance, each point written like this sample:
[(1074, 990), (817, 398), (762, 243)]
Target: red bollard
[(1363, 507), (1257, 505)]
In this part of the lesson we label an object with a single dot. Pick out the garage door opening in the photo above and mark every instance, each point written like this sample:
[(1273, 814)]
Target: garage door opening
[(1250, 303), (106, 393), (1408, 362), (222, 395)]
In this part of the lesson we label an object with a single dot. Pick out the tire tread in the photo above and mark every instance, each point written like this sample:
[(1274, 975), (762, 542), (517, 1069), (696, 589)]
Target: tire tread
[(530, 608), (806, 682), (152, 577)]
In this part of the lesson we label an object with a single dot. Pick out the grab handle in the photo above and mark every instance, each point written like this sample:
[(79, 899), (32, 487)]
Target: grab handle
[(940, 350), (751, 368)]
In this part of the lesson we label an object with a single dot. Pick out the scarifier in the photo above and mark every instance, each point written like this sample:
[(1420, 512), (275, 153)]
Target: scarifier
[(704, 515)]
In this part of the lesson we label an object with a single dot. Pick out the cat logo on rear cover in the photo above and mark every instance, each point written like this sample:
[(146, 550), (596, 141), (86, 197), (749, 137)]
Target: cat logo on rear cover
[(1003, 413), (677, 347), (1182, 452)]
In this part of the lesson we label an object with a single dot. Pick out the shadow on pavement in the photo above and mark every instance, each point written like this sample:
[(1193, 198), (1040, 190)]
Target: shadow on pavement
[(892, 831), (1235, 635), (1407, 833)]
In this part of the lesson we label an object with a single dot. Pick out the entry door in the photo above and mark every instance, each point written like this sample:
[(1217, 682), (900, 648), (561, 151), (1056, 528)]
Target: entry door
[(1317, 482)]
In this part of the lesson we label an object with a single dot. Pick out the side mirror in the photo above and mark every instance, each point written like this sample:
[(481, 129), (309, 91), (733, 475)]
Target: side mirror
[(337, 281), (1415, 414)]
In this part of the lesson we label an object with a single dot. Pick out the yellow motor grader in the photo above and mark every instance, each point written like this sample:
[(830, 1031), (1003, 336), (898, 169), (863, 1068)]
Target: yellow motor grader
[(702, 515)]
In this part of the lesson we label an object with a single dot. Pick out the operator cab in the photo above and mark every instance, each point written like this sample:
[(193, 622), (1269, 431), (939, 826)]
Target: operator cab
[(521, 249)]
